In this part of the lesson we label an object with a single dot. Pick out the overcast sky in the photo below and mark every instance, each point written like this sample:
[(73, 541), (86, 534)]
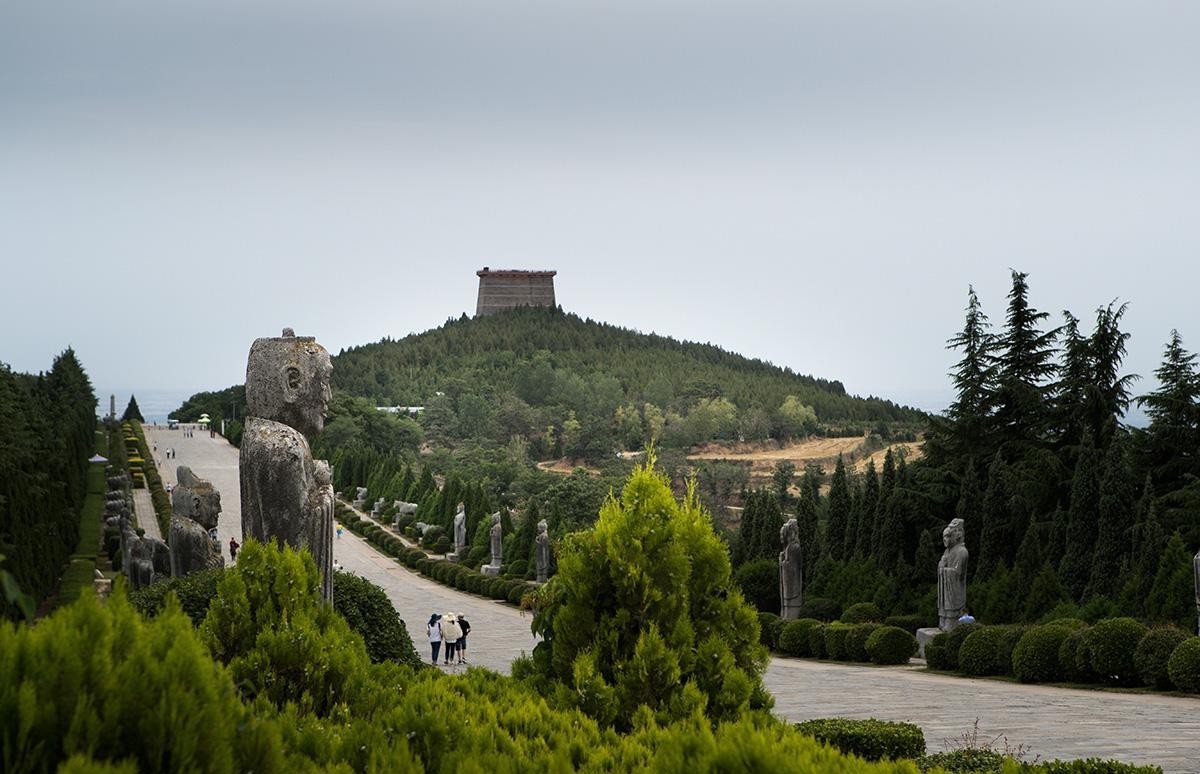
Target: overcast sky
[(813, 183)]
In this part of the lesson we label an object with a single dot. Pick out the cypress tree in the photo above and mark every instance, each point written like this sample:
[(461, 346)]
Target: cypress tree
[(995, 540), (839, 510), (1082, 515), (1045, 594), (887, 485), (1029, 560), (1056, 546), (1109, 393), (929, 551), (970, 506), (1172, 596), (1116, 508), (1071, 392), (1148, 543), (132, 411), (866, 511), (806, 522)]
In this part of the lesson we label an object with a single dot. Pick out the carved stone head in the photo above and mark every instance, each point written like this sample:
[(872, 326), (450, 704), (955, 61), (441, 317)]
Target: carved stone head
[(954, 534), (542, 527), (287, 380), (790, 532), (496, 519)]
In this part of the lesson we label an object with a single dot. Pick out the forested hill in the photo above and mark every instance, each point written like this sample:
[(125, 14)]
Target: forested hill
[(544, 355)]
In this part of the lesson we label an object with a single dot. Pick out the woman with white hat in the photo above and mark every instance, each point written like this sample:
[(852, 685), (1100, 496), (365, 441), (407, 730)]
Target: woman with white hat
[(451, 632)]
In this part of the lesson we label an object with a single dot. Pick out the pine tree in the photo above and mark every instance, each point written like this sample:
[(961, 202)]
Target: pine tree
[(1148, 543), (1075, 381), (839, 510), (132, 411), (1029, 561), (1082, 515), (1109, 393), (1115, 523), (1045, 594), (970, 506), (866, 511), (887, 485), (1172, 441), (974, 379), (1024, 362), (1172, 596)]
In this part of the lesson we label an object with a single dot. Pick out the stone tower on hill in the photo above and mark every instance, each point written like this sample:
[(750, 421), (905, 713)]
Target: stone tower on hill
[(501, 289)]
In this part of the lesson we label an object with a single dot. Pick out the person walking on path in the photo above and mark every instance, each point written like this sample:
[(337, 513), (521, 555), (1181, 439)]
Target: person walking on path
[(435, 635), (451, 633), (465, 626), (233, 549)]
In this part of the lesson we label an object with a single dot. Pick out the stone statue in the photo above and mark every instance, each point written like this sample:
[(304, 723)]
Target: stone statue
[(1196, 571), (541, 553), (791, 572), (141, 562), (497, 542), (196, 507), (286, 494), (952, 576), (460, 532)]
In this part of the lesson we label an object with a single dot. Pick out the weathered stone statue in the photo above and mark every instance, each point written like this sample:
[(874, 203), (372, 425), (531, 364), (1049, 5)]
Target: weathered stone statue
[(497, 542), (952, 576), (460, 532), (791, 572), (141, 562), (286, 494), (196, 507), (541, 553), (1196, 572)]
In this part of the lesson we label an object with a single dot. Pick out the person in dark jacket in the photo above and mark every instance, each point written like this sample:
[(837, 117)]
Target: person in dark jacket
[(462, 641)]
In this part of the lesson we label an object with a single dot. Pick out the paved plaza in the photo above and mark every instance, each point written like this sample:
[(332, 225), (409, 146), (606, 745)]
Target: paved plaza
[(1046, 722)]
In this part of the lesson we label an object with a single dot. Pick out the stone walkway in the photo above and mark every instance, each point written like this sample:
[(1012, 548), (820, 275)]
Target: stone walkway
[(143, 513), (1046, 722)]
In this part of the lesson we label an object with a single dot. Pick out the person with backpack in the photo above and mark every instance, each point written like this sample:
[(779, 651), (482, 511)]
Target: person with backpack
[(435, 635), (465, 626), (451, 633), (233, 549)]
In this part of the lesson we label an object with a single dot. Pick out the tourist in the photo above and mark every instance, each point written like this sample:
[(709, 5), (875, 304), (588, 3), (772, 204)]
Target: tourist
[(233, 548), (966, 617), (339, 530), (451, 633), (465, 625), (435, 635)]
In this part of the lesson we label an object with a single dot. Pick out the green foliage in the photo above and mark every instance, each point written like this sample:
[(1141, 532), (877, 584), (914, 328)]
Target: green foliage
[(796, 637), (871, 739), (1075, 657), (954, 641), (1184, 665), (194, 592), (910, 623), (1035, 658), (855, 647), (692, 646), (81, 571), (1153, 653), (1113, 643), (835, 641), (937, 654), (979, 653), (132, 412), (759, 583), (862, 612), (370, 613), (966, 760), (1172, 594), (770, 626), (891, 645), (821, 609)]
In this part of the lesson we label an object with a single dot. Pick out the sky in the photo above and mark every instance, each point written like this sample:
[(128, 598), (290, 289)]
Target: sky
[(811, 183)]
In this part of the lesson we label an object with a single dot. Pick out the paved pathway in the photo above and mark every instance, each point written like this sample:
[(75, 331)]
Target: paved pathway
[(144, 515), (1048, 722)]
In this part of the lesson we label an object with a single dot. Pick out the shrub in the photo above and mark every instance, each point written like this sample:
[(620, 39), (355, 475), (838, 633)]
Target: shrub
[(891, 645), (856, 641), (863, 612), (796, 637), (979, 653), (874, 740), (517, 568), (937, 655), (1075, 657), (1035, 658), (769, 627), (1184, 665), (195, 593), (442, 545), (1071, 624), (835, 641), (821, 609), (1153, 653), (759, 582), (369, 612), (816, 640), (954, 640), (910, 623), (1092, 766), (1009, 637), (1113, 643), (967, 760), (515, 593)]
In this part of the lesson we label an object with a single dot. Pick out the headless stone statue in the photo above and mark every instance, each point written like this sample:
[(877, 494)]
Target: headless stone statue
[(541, 553), (952, 576), (1196, 572), (791, 572), (141, 562), (196, 507), (497, 542), (286, 494), (460, 532)]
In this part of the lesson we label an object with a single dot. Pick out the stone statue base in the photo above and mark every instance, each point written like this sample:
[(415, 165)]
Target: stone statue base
[(490, 569), (923, 638), (452, 557)]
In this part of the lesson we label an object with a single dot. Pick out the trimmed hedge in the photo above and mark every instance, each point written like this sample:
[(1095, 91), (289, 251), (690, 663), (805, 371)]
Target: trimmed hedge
[(856, 641), (954, 640), (770, 626), (821, 609), (891, 645), (796, 637), (979, 654), (1153, 653), (816, 640), (835, 641), (1184, 665), (1113, 642), (937, 654), (871, 739), (1075, 658), (1035, 659), (862, 612)]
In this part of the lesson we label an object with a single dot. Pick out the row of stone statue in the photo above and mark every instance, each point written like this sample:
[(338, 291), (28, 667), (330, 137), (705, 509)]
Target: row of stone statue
[(496, 542)]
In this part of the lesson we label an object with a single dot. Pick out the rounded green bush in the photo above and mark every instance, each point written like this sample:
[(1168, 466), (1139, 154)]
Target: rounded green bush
[(769, 628), (891, 645), (759, 582), (821, 609), (816, 641), (835, 641), (937, 655), (1113, 643), (1184, 665), (954, 640), (515, 594), (1009, 637), (862, 612), (1035, 658), (1153, 653), (1075, 657), (856, 641), (871, 739), (979, 653), (968, 760), (910, 623), (796, 637)]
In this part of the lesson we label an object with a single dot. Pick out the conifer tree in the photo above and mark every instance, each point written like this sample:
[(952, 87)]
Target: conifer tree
[(1172, 441), (1056, 545), (866, 511), (1029, 560), (887, 485), (1075, 381), (970, 506), (974, 378), (132, 411), (806, 522), (1109, 395), (1025, 360), (996, 539), (1115, 523), (838, 516), (926, 561), (1149, 540), (1172, 596), (1045, 594), (781, 479), (1082, 515)]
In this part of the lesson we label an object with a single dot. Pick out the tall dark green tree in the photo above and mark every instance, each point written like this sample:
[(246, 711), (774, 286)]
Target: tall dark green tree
[(1171, 443), (1074, 384), (132, 411), (1148, 540), (1116, 510), (1172, 596), (1109, 396), (781, 479), (838, 516), (969, 506), (1082, 517), (865, 516), (996, 539), (1025, 363), (974, 378)]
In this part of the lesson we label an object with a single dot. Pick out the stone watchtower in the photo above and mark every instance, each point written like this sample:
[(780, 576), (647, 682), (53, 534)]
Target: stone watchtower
[(501, 289)]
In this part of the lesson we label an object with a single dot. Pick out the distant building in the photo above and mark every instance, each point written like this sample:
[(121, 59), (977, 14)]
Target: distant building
[(501, 289), (412, 411)]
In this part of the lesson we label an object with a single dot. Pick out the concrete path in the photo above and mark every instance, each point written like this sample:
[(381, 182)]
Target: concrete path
[(1046, 722), (144, 515)]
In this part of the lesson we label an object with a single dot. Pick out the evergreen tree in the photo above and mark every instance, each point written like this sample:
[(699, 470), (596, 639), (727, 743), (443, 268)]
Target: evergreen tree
[(890, 547), (806, 522), (1172, 441), (1045, 594), (865, 518), (838, 517), (1075, 382), (132, 411), (887, 485), (1116, 507), (1172, 596), (974, 378), (996, 538), (1109, 393), (1149, 540), (1029, 561), (1082, 515), (969, 507), (1024, 362), (781, 479), (929, 551)]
